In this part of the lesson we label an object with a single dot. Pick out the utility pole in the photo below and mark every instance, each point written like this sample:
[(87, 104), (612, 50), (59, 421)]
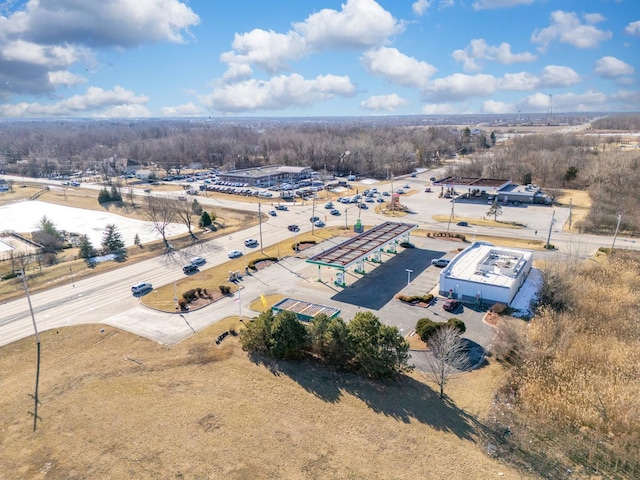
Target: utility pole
[(313, 213), (453, 204), (570, 211), (260, 220), (615, 235), (35, 328), (553, 220)]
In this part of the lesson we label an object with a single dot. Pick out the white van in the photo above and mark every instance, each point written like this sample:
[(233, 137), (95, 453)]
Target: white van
[(141, 287)]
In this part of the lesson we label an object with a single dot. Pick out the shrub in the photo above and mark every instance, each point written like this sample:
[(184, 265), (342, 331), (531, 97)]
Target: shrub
[(252, 263), (426, 327), (428, 298), (458, 324), (189, 295), (182, 303), (199, 291), (499, 308), (225, 289)]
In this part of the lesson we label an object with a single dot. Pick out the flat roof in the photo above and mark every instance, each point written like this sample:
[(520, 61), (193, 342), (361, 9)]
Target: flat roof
[(474, 182), (485, 263), (264, 171), (350, 251), (305, 309)]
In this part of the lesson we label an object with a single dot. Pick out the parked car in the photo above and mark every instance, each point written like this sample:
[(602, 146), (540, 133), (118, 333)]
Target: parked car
[(273, 213), (251, 242), (314, 219), (293, 228), (234, 254), (198, 261), (328, 205), (335, 211), (319, 223), (428, 189), (386, 194), (407, 245), (142, 287), (190, 268), (363, 206), (282, 208), (433, 179), (450, 305), (440, 262)]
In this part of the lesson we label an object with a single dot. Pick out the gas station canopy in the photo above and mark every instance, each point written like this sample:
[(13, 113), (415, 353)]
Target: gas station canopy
[(351, 251)]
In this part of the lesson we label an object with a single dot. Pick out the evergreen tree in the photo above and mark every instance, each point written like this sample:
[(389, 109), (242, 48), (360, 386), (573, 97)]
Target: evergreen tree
[(111, 239), (495, 209), (289, 338), (86, 248), (196, 208), (104, 196), (115, 194), (136, 241), (48, 236), (205, 220), (330, 340), (378, 350), (256, 336)]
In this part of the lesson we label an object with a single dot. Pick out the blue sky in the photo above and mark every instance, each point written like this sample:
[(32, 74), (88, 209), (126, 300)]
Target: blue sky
[(174, 58)]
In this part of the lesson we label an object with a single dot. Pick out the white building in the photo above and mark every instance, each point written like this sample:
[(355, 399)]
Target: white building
[(487, 274)]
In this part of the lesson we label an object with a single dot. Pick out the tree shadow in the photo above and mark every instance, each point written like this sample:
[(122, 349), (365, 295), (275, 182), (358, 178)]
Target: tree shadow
[(403, 398)]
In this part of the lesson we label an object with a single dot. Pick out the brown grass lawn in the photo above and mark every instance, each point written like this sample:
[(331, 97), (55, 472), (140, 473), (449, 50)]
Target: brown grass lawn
[(118, 406), (580, 202)]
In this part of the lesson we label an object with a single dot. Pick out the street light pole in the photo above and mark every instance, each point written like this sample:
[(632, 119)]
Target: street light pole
[(615, 235), (409, 276)]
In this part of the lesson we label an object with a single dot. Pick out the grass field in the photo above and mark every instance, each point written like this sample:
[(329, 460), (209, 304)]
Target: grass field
[(118, 406)]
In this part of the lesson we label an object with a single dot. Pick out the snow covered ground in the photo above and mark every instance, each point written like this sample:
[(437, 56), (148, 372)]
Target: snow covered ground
[(23, 217), (527, 294)]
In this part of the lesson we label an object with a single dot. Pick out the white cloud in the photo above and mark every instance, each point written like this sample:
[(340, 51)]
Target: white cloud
[(521, 81), (360, 24), (441, 109), (478, 50), (396, 67), (124, 23), (64, 77), (186, 110), (590, 100), (566, 27), (611, 67), (492, 106), (383, 102), (559, 76), (277, 93), (460, 86), (269, 51), (421, 6), (489, 4), (42, 38), (95, 102), (633, 28)]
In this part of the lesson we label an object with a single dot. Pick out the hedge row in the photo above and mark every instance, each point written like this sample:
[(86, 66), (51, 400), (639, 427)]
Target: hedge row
[(448, 235), (252, 263), (428, 298)]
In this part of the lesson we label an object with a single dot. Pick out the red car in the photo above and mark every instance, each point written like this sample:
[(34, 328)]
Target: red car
[(450, 305)]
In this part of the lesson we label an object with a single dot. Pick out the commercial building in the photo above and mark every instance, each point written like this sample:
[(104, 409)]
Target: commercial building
[(266, 176), (504, 190), (486, 274)]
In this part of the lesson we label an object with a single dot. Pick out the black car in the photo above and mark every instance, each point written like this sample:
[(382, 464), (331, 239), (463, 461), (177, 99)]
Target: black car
[(462, 224), (190, 268), (314, 219), (293, 228)]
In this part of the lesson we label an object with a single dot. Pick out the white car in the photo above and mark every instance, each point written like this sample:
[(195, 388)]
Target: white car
[(235, 254), (141, 288), (250, 242), (198, 261)]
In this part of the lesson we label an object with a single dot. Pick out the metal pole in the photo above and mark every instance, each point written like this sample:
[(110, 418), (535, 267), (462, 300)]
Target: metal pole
[(72, 282), (616, 234), (313, 213), (553, 220), (260, 219), (409, 276)]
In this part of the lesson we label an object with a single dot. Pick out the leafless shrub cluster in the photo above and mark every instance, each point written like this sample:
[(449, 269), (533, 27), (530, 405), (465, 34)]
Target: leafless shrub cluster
[(572, 397)]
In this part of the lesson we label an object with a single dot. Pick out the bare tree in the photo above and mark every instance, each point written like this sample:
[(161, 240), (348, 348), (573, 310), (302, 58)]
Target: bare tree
[(160, 212), (448, 356), (184, 212)]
